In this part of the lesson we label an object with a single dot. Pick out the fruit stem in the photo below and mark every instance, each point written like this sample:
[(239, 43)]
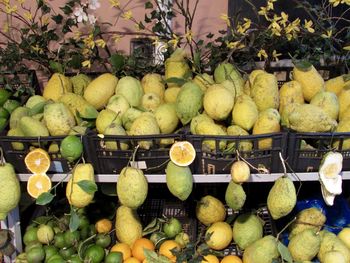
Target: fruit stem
[(134, 156), (285, 227), (293, 173), (261, 170)]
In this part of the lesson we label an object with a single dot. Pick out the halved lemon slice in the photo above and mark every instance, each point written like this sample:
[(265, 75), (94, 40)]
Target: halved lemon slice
[(37, 161), (182, 153), (38, 184)]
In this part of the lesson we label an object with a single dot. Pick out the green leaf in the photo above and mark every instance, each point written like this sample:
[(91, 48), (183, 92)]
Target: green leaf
[(56, 66), (87, 186), (284, 252), (117, 61), (74, 220), (154, 226), (148, 5), (75, 61), (177, 81), (44, 198), (58, 19), (38, 108), (152, 256), (303, 65)]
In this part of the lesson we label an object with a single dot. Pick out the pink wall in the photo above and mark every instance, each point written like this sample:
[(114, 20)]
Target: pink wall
[(206, 20)]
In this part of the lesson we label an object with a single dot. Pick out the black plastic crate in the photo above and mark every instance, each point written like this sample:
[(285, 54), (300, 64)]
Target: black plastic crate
[(268, 229), (23, 84), (151, 161), (183, 211), (306, 150), (283, 74), (16, 156), (220, 161)]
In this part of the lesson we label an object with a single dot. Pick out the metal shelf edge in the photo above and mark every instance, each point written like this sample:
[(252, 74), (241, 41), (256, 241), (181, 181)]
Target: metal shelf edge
[(198, 178)]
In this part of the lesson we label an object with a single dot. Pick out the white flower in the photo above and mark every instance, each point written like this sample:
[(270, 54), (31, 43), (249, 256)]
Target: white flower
[(92, 19), (94, 4), (80, 14)]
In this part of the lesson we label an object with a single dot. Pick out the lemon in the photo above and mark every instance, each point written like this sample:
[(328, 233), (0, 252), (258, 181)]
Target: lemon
[(344, 235), (71, 148), (210, 210), (219, 235), (182, 153), (45, 234)]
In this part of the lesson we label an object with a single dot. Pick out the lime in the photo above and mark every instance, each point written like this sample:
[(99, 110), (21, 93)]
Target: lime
[(30, 235), (92, 230), (114, 257), (35, 255), (4, 95), (71, 238), (3, 123), (71, 148), (4, 113), (59, 240), (56, 259), (66, 253), (83, 222), (103, 240), (32, 244), (94, 254), (84, 232), (45, 234), (11, 105), (50, 251), (182, 239), (75, 259), (172, 227)]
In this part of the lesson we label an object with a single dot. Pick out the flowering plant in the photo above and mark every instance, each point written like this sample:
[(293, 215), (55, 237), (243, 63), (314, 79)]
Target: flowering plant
[(75, 39)]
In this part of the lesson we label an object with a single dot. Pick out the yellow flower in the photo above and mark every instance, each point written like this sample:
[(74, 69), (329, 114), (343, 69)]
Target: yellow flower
[(347, 48), (155, 41), (284, 19), (28, 15), (37, 49), (9, 9), (328, 34), (21, 1), (243, 28), (174, 42), (189, 35), (100, 43), (275, 28), (45, 20), (308, 26), (235, 45), (127, 15), (335, 2), (89, 41), (6, 27), (114, 3), (270, 4), (116, 38), (263, 12), (226, 18), (275, 55), (262, 54), (86, 63), (76, 35), (86, 51)]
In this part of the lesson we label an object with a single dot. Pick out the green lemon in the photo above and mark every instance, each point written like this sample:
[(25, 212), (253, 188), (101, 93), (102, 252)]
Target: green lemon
[(66, 253), (71, 148), (11, 105), (45, 234), (94, 254), (32, 244), (56, 259), (75, 259), (83, 222), (59, 240), (71, 238), (172, 227), (103, 240), (35, 255), (114, 257), (30, 235), (4, 96), (4, 113), (50, 251)]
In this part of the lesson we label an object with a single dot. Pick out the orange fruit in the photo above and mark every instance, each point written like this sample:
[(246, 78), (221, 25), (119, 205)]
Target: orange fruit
[(139, 245), (38, 184), (123, 248), (37, 161), (231, 259), (132, 260), (210, 259), (103, 226), (182, 153), (166, 247)]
